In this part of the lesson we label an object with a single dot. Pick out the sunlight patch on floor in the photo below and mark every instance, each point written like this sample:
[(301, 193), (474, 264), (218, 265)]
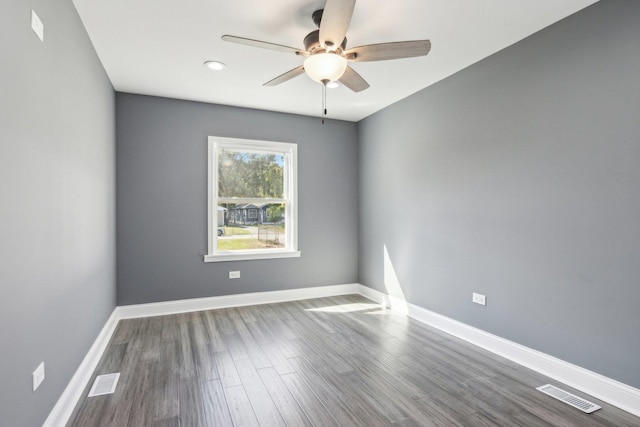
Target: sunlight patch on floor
[(386, 312)]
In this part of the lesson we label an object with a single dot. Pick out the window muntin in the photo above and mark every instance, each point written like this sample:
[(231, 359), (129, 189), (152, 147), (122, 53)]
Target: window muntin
[(252, 199)]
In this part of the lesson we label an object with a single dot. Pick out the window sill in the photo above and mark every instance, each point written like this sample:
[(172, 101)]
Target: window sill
[(244, 256)]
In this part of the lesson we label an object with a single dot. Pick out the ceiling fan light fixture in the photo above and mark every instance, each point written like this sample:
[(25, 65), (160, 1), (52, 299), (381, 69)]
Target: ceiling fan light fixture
[(325, 67), (215, 65)]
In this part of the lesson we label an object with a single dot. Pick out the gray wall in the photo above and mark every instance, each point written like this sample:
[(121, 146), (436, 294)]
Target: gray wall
[(162, 200), (57, 215), (519, 178)]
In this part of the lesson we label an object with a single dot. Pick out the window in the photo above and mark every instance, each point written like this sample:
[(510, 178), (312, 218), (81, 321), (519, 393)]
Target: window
[(252, 204)]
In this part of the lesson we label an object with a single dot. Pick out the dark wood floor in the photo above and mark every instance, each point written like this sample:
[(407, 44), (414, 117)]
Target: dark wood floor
[(322, 362)]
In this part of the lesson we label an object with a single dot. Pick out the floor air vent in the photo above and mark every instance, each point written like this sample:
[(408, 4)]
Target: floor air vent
[(569, 399), (104, 384)]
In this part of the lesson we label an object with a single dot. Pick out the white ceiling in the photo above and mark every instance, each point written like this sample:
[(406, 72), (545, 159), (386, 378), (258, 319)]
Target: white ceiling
[(157, 47)]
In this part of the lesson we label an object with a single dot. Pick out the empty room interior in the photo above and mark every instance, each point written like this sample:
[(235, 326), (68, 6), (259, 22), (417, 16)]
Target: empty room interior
[(320, 212)]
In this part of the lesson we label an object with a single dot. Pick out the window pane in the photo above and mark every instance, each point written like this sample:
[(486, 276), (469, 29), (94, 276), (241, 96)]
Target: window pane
[(246, 226), (251, 175)]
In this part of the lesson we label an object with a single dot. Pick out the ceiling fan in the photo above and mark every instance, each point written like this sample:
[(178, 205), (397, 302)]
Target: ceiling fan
[(326, 50)]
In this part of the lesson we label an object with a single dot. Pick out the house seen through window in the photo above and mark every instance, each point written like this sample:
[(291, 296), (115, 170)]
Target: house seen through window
[(252, 199)]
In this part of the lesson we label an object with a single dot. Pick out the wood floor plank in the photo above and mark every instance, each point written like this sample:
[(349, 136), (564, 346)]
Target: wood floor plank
[(341, 361), (236, 346), (216, 411), (481, 420), (186, 361), (226, 369), (313, 345), (440, 414), (167, 402), (198, 331), (456, 396), (287, 405), (308, 401), (373, 368), (307, 352), (223, 321), (213, 331), (125, 331), (142, 408), (282, 328), (456, 403), (263, 406), (256, 354), (260, 332), (276, 359), (330, 397), (170, 329), (166, 422), (191, 403), (365, 409), (281, 312), (149, 350), (268, 312), (240, 407), (378, 390), (247, 314), (316, 318), (203, 354)]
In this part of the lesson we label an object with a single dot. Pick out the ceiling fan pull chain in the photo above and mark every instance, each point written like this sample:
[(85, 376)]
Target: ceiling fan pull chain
[(324, 101)]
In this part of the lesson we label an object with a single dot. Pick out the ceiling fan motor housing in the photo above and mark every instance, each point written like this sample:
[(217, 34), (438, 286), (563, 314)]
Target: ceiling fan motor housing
[(312, 42)]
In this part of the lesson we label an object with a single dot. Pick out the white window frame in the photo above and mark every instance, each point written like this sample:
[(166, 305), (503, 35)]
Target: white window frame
[(290, 197)]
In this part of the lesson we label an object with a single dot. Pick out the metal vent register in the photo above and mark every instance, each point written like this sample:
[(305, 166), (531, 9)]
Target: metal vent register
[(569, 399), (104, 384)]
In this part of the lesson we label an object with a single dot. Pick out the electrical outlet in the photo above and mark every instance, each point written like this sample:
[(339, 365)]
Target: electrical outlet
[(234, 275), (37, 26), (38, 376), (479, 299)]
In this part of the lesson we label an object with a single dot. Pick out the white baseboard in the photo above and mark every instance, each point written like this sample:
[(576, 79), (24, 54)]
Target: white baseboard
[(606, 389), (239, 300), (68, 400)]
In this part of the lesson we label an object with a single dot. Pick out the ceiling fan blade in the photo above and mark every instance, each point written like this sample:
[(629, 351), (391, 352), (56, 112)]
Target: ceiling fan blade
[(263, 45), (335, 22), (385, 51), (353, 80), (286, 76)]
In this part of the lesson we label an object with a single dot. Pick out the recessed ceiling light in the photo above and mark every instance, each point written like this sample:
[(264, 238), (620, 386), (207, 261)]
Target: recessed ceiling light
[(333, 85), (215, 65)]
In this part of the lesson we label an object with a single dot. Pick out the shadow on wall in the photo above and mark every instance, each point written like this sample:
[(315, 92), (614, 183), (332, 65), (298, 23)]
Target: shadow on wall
[(396, 298)]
